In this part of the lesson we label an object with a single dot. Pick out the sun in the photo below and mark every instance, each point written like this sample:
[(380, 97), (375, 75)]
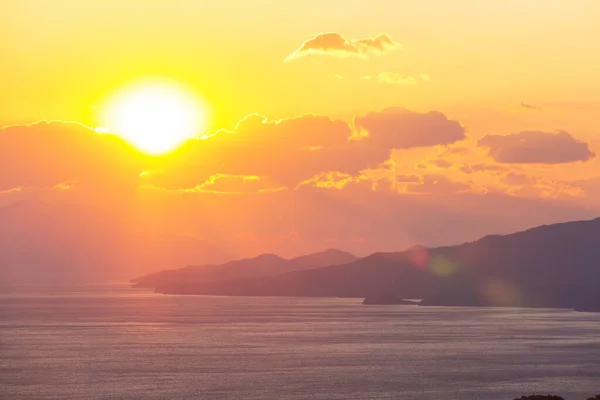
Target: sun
[(156, 117)]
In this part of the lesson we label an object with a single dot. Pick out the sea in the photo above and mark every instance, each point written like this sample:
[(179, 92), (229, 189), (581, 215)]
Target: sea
[(109, 341)]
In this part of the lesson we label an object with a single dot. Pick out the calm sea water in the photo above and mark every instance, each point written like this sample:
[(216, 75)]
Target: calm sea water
[(112, 342)]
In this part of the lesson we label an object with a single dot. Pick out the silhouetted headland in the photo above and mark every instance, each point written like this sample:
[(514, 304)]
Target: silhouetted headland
[(550, 397), (551, 266), (540, 397)]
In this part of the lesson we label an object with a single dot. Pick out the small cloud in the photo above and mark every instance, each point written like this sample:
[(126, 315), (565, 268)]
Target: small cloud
[(433, 164), (407, 178), (516, 179), (63, 186), (530, 107), (516, 184), (456, 150), (388, 165), (330, 180), (399, 128), (435, 184), (233, 184), (481, 167), (395, 78), (441, 163), (335, 44), (536, 147)]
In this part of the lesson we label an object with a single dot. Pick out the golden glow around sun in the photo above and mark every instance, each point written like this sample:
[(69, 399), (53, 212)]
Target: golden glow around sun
[(155, 117)]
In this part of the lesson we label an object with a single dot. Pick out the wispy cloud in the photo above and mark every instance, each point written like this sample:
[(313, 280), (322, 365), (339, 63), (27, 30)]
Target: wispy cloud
[(530, 107), (395, 78), (336, 45)]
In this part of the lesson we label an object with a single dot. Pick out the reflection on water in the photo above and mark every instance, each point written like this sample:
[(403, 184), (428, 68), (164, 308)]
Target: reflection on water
[(107, 341)]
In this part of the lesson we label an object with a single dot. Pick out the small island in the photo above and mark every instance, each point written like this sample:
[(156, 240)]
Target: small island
[(595, 308), (388, 299), (459, 298)]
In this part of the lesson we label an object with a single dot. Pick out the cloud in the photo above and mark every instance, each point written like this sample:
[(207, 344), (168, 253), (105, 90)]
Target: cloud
[(539, 147), (435, 164), (262, 155), (336, 45), (46, 154), (590, 186), (332, 180), (515, 179), (441, 163), (395, 78), (275, 153), (518, 184), (285, 152), (407, 178), (530, 107), (456, 151), (388, 165), (234, 184), (482, 167), (398, 128), (435, 184), (290, 151)]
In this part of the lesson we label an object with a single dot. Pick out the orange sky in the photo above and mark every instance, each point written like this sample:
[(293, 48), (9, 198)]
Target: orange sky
[(363, 125)]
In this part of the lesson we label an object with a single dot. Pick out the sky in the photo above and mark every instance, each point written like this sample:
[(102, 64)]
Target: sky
[(361, 125)]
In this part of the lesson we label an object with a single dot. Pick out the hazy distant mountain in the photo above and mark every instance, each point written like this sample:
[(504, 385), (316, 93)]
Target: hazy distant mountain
[(549, 266), (261, 266), (42, 242)]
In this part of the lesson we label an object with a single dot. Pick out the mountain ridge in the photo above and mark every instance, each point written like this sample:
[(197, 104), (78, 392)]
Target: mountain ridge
[(554, 265), (262, 265)]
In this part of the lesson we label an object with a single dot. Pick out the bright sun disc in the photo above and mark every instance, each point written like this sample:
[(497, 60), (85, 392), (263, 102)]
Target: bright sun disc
[(155, 117)]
